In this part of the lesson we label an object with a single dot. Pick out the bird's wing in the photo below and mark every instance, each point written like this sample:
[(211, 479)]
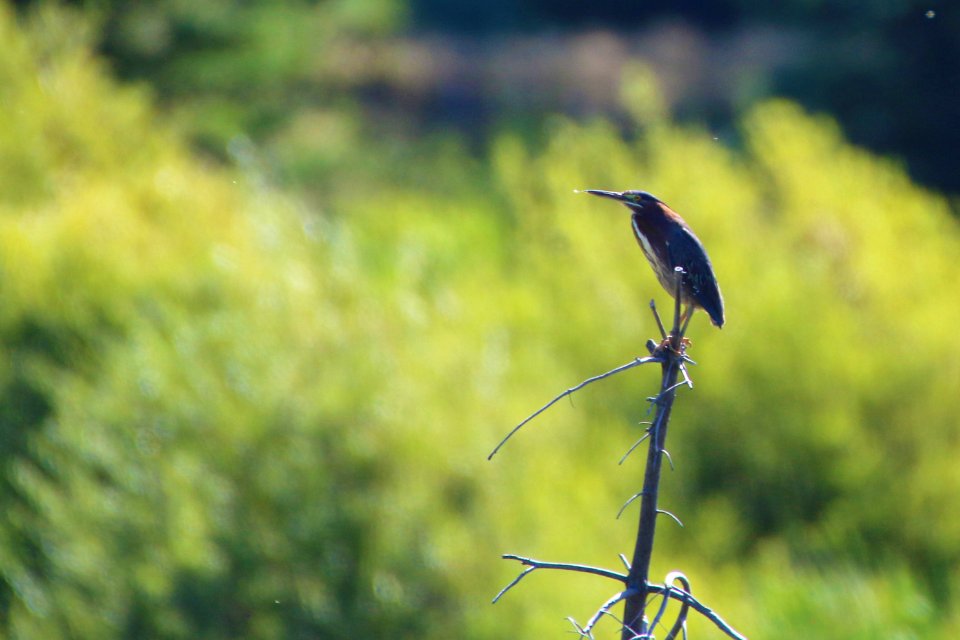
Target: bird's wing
[(686, 251)]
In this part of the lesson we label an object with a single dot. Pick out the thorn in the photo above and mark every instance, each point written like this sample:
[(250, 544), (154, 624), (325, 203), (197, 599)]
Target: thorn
[(669, 459), (635, 445), (675, 518), (627, 504)]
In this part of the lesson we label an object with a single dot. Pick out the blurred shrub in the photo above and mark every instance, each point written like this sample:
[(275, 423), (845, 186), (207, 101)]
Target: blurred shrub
[(239, 67), (186, 447), (825, 414), (224, 416)]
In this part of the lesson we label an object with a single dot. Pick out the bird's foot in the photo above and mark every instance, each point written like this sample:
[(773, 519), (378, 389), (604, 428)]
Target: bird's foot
[(668, 345)]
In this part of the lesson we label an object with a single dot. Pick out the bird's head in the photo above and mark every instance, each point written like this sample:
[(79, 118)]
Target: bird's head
[(636, 200)]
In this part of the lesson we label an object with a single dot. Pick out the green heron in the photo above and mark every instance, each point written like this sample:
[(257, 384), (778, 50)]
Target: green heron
[(668, 242)]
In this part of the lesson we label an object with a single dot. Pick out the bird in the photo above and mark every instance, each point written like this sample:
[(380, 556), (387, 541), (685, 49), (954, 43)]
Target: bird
[(668, 242)]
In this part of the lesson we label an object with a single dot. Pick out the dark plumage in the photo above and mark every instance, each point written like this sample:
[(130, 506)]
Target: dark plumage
[(668, 242)]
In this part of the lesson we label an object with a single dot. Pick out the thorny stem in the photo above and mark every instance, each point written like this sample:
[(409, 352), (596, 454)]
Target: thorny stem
[(638, 577), (671, 352), (666, 590)]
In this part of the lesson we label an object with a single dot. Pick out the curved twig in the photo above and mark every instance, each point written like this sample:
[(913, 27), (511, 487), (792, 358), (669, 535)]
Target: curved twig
[(685, 597), (675, 518), (604, 610), (664, 601), (666, 453), (682, 596), (635, 363), (680, 623), (627, 504), (636, 444)]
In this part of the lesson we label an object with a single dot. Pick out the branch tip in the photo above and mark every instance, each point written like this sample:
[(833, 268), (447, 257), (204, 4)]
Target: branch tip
[(634, 363)]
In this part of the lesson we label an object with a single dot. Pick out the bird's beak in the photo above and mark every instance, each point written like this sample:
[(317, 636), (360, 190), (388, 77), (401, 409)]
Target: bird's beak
[(614, 195)]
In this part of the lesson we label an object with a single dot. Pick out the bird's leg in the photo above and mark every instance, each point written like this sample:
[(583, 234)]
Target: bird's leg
[(687, 316), (679, 344)]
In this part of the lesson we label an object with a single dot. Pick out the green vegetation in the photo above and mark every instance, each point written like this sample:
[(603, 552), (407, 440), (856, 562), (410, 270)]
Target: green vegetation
[(226, 413), (228, 66)]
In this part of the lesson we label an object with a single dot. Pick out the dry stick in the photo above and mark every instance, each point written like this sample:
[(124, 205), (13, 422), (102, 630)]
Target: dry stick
[(532, 564), (604, 610), (636, 362), (670, 355), (643, 549), (678, 594), (634, 623)]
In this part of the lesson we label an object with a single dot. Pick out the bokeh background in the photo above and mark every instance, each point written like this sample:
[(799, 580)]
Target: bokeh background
[(276, 276)]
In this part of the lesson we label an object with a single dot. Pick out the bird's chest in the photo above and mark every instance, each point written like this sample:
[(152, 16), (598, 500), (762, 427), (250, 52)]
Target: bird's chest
[(656, 249)]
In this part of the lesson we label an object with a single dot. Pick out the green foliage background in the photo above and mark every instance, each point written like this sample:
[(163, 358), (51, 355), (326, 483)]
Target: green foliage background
[(230, 410)]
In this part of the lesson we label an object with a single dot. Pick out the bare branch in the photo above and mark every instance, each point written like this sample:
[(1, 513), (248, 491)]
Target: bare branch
[(684, 596), (671, 351), (635, 363), (605, 610), (580, 632), (537, 564), (664, 601), (513, 582)]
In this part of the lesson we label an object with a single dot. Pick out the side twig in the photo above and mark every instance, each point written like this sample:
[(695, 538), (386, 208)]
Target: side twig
[(586, 631), (683, 596), (635, 363), (532, 565), (680, 624), (686, 598)]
